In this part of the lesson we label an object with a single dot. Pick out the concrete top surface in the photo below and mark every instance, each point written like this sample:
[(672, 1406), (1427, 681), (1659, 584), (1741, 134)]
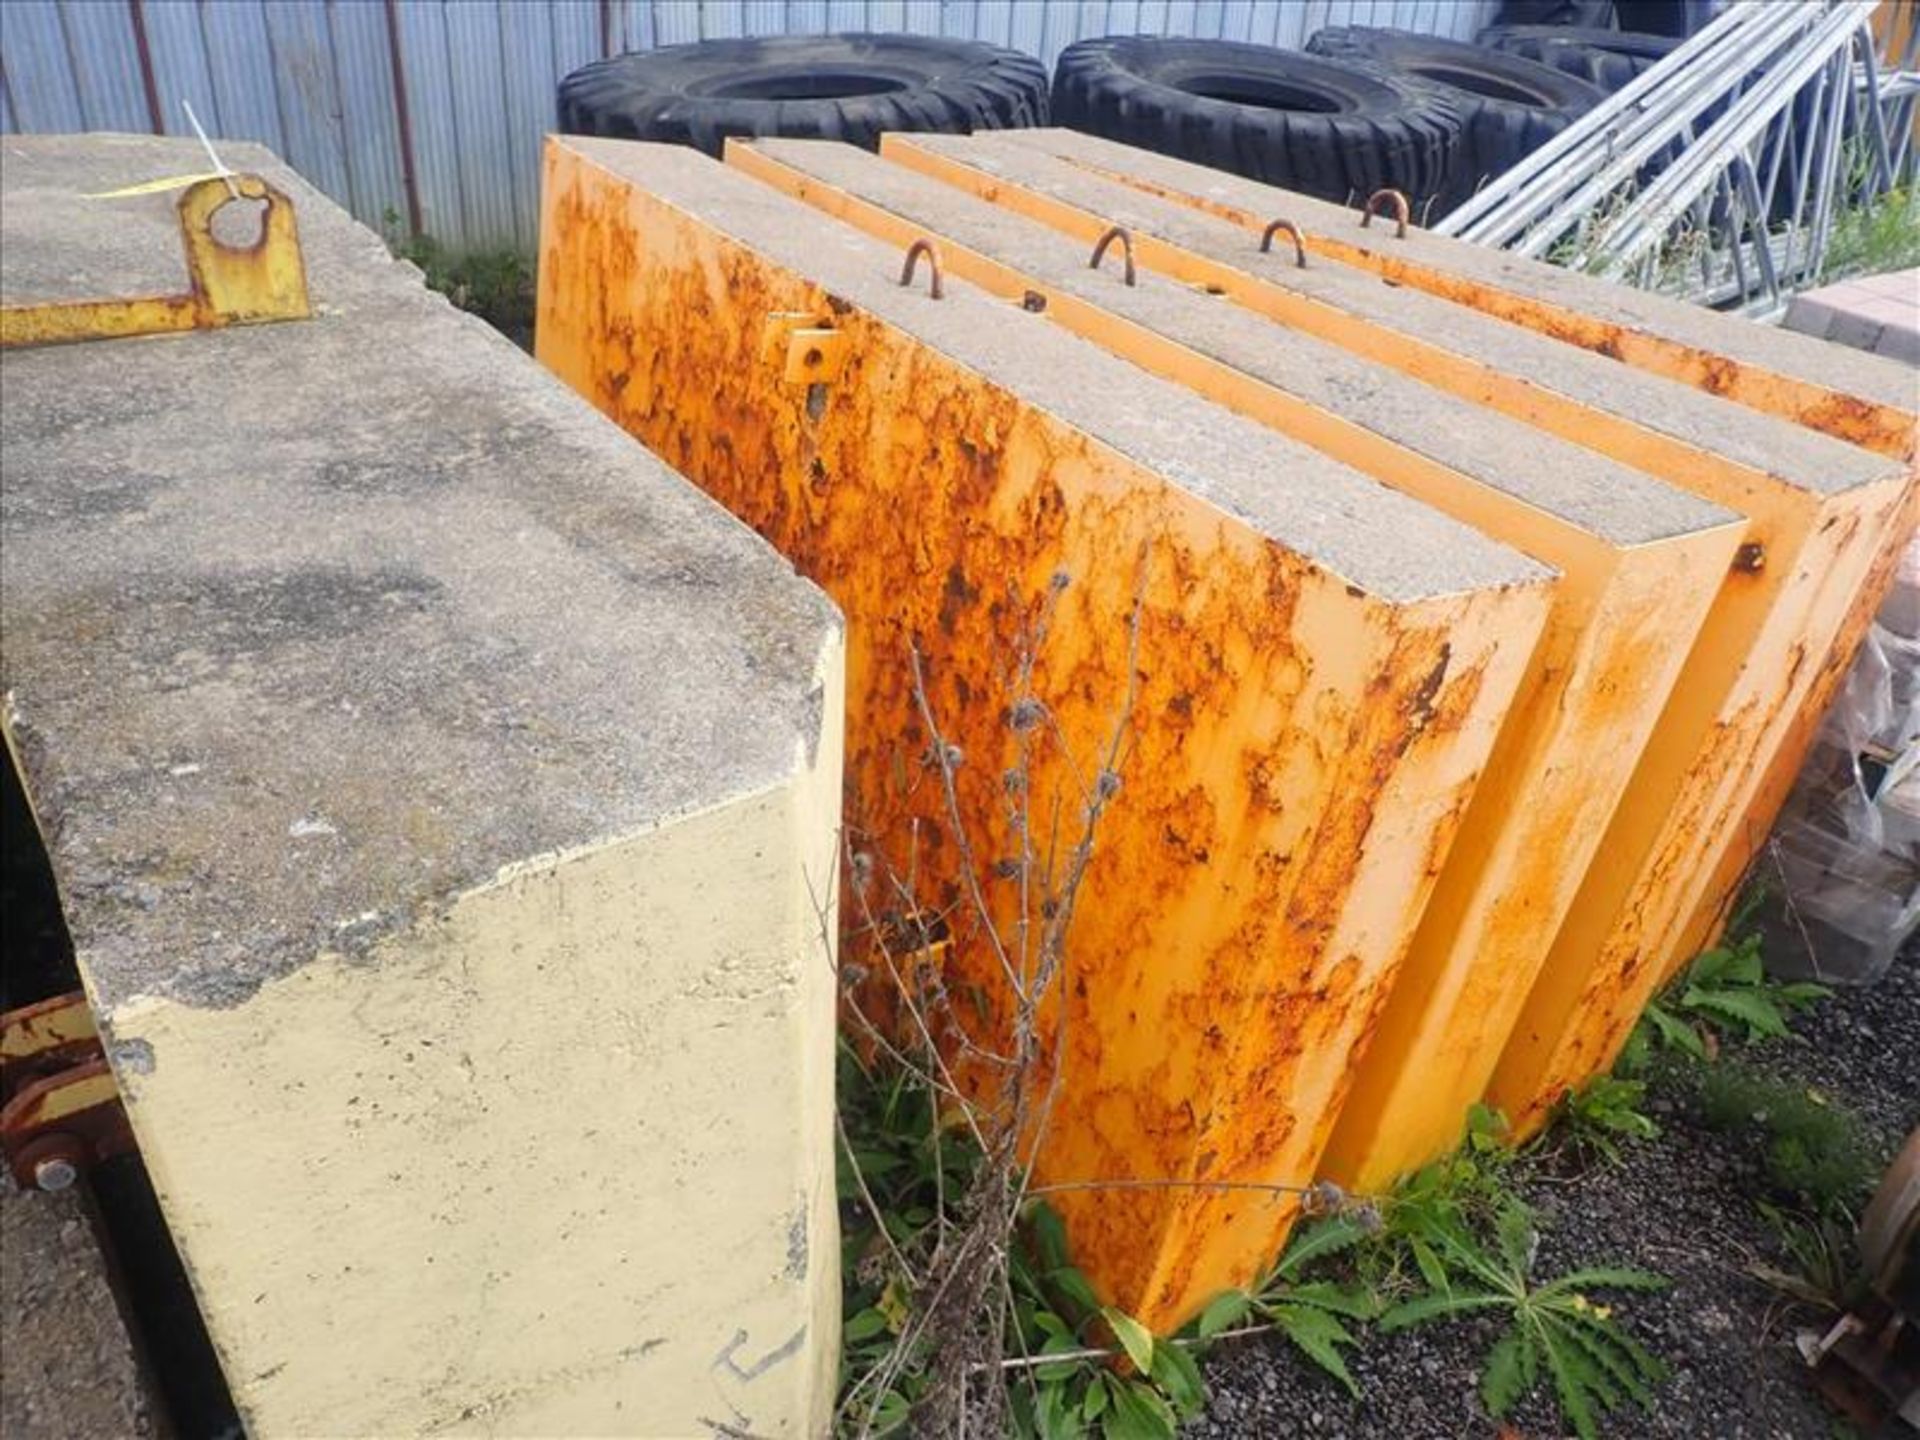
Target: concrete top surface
[(1804, 459), (1734, 336), (310, 627), (1609, 500), (1367, 535)]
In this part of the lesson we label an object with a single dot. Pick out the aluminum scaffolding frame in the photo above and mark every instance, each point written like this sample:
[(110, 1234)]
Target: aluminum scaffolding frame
[(1716, 173)]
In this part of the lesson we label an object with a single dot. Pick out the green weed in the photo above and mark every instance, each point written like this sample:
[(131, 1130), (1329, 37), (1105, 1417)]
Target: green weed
[(1595, 1119), (902, 1167), (1078, 1392), (1312, 1314), (497, 285), (1812, 1151), (1554, 1330), (1467, 1187), (1456, 1241), (1873, 236), (1821, 1259), (1725, 994), (895, 1164)]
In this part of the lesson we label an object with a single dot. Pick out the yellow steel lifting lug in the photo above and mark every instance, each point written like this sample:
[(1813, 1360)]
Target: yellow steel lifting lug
[(227, 284), (809, 351), (51, 1033)]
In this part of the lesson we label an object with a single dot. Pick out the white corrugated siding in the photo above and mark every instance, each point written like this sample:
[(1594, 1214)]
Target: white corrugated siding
[(317, 79)]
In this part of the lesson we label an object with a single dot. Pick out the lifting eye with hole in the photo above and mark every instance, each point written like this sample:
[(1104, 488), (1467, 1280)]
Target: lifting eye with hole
[(243, 267)]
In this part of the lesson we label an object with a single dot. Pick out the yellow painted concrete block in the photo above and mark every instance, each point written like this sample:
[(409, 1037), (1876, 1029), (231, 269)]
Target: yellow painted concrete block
[(1641, 564), (1322, 664), (441, 792), (1819, 514), (568, 1174)]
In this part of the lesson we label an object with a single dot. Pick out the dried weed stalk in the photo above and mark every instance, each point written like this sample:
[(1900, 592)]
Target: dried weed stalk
[(995, 1092)]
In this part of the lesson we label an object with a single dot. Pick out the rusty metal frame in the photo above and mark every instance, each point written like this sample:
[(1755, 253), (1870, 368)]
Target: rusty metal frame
[(60, 1110), (226, 284)]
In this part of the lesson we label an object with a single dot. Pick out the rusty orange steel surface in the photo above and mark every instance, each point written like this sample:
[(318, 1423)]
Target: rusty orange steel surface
[(1858, 398), (1657, 863), (1641, 565), (1305, 741), (1746, 853), (1819, 514)]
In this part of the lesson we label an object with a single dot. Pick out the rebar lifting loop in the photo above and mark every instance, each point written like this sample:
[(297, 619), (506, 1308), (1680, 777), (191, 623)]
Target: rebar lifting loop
[(1299, 241), (926, 247), (1401, 210), (1119, 233)]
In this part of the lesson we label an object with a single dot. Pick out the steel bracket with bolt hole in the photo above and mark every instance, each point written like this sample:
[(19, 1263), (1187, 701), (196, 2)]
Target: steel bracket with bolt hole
[(226, 284), (60, 1111), (808, 350)]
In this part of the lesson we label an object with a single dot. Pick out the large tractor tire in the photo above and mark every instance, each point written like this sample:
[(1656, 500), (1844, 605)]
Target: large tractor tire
[(1656, 17), (1607, 58), (1509, 106), (834, 87), (1336, 129)]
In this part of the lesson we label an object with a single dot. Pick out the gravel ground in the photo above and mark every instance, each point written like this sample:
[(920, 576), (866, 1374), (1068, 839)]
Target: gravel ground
[(67, 1370), (1681, 1205)]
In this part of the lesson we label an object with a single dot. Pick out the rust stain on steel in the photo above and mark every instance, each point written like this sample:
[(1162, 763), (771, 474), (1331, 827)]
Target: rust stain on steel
[(1657, 865), (1622, 618), (226, 284), (1563, 763), (1884, 429), (1749, 836), (1745, 678), (1297, 746)]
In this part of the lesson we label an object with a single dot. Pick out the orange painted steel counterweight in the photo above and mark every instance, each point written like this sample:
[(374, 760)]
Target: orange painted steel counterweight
[(1821, 514), (1322, 664), (1862, 399), (1641, 565), (1858, 398)]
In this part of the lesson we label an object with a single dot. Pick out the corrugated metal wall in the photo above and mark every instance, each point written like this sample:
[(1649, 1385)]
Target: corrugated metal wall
[(448, 99)]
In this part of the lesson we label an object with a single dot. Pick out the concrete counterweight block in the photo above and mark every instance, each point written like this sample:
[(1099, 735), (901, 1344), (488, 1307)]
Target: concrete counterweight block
[(1641, 565), (1322, 663), (1864, 400), (439, 790), (1824, 517)]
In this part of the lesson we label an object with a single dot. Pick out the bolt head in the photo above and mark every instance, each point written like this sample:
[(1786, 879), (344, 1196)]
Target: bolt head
[(55, 1174)]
